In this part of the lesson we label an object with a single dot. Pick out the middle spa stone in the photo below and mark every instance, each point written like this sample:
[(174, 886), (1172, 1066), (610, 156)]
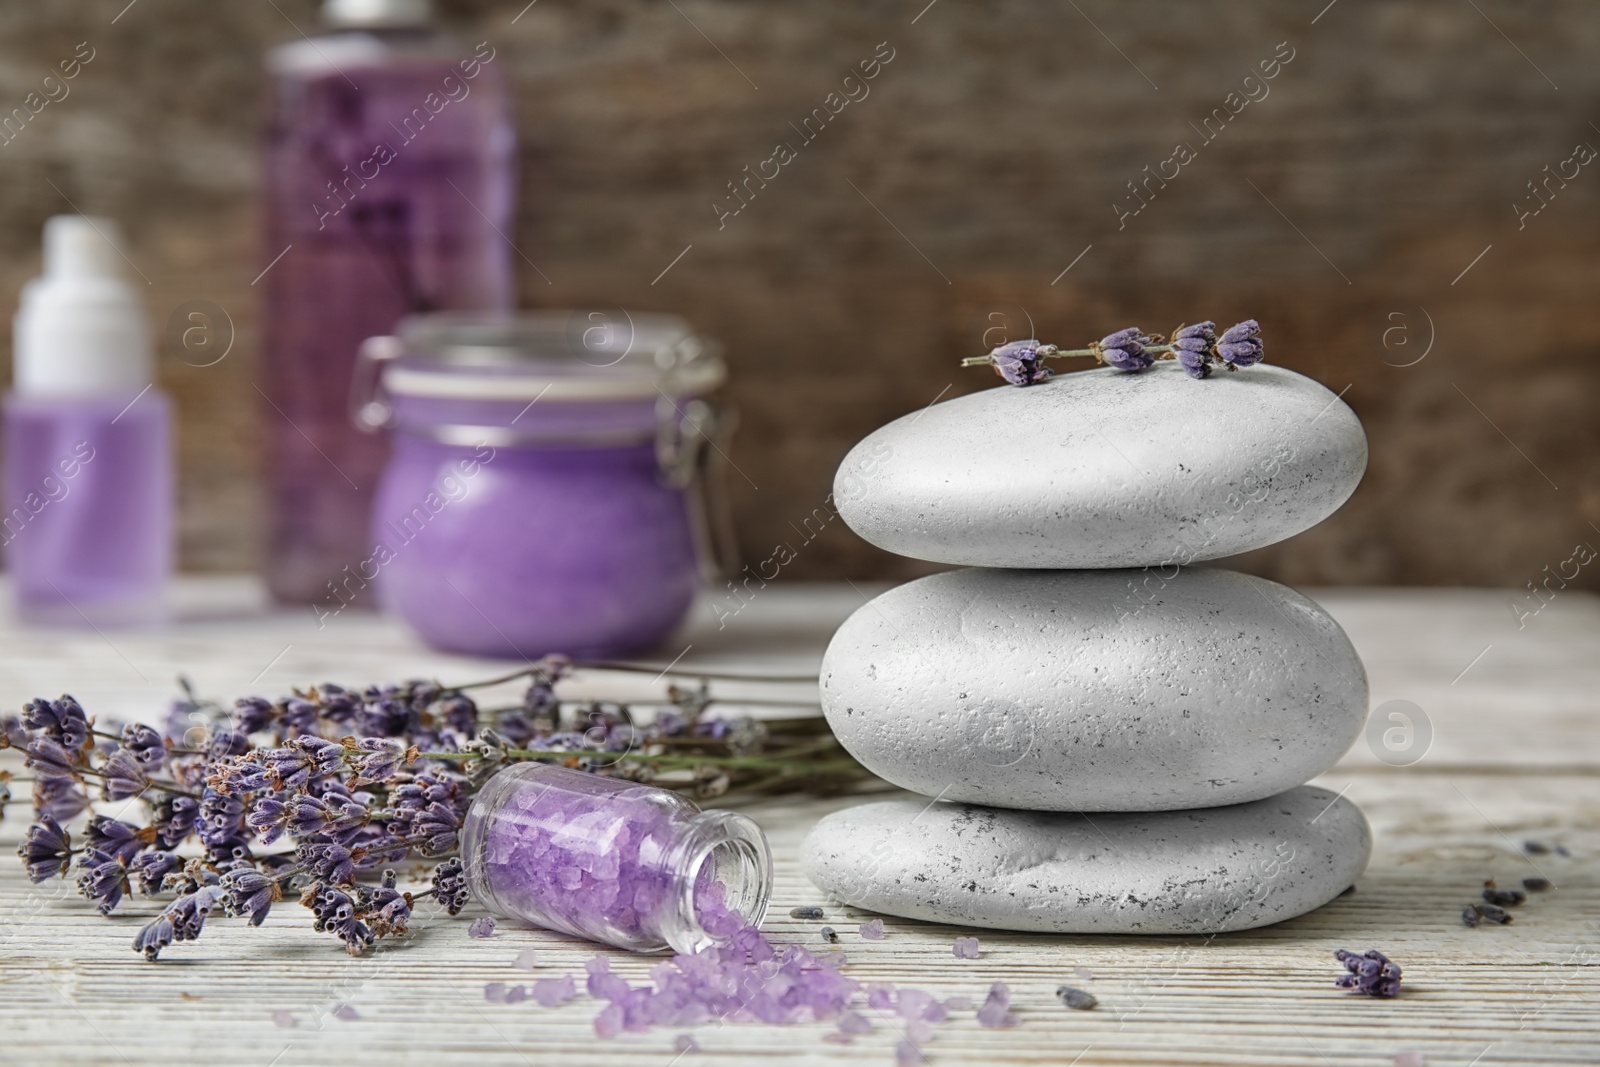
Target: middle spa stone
[(1115, 690)]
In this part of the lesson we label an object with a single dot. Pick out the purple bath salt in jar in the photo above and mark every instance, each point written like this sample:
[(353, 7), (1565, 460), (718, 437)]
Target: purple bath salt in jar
[(546, 488), (629, 865)]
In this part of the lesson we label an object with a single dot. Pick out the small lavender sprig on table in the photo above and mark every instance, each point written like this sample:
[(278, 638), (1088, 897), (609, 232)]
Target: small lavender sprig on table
[(325, 791), (1197, 348)]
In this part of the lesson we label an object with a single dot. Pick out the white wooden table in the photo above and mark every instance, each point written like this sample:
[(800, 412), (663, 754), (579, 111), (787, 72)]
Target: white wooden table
[(1515, 755)]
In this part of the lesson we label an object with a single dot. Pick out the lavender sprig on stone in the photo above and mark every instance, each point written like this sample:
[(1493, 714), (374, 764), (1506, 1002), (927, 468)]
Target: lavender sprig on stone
[(1197, 348)]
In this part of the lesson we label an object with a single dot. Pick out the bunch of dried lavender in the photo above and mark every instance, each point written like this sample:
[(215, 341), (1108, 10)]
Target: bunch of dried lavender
[(1197, 348), (327, 790)]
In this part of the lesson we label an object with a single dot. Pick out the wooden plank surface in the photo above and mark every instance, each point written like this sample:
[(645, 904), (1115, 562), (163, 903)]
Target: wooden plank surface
[(1514, 757)]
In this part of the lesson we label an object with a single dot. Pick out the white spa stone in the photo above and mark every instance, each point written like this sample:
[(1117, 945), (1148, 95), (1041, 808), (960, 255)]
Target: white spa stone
[(1100, 468), (1204, 871), (1094, 690)]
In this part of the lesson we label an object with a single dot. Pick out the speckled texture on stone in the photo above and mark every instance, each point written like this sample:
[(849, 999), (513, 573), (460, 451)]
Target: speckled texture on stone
[(1094, 690), (1106, 469), (1209, 870)]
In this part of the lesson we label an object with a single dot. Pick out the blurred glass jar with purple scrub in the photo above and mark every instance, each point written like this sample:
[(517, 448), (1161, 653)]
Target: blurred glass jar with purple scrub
[(548, 485)]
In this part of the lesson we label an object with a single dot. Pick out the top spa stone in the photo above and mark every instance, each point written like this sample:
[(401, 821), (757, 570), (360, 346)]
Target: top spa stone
[(1104, 469)]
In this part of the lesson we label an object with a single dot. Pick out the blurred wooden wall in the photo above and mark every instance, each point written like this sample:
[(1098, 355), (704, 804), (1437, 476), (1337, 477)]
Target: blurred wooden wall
[(1368, 190)]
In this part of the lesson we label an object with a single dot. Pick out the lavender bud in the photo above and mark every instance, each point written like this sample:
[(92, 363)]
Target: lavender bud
[(1124, 350), (1021, 362), (1240, 345)]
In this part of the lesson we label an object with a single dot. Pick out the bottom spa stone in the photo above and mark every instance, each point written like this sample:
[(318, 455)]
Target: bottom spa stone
[(1207, 870)]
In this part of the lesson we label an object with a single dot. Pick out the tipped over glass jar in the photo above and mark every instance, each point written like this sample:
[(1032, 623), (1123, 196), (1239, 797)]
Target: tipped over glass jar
[(629, 865), (548, 485)]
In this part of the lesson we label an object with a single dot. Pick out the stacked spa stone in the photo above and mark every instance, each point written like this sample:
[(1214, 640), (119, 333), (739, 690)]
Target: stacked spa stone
[(1118, 740)]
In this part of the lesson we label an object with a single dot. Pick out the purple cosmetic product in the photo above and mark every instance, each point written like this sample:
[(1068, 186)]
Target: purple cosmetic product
[(389, 187), (545, 490), (629, 865), (87, 528)]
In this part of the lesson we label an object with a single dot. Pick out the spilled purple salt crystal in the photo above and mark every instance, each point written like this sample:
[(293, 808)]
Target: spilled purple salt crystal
[(872, 930), (965, 948), (916, 1004), (347, 1012), (495, 992), (526, 960), (852, 1022), (958, 1003), (483, 927), (516, 994), (907, 1054), (684, 1043), (996, 1010), (548, 992), (880, 997)]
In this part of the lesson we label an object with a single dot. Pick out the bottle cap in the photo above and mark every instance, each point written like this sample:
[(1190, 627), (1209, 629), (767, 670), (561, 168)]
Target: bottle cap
[(377, 13), (80, 329)]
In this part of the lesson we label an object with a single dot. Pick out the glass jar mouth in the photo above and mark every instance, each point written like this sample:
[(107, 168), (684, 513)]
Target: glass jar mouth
[(726, 850), (557, 356)]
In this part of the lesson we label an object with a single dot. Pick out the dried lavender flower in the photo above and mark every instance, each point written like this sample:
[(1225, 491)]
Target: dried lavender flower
[(1021, 362), (829, 934), (1505, 897), (102, 878), (450, 886), (246, 891), (808, 911), (1076, 999), (252, 715), (49, 759), (1240, 345), (1536, 885), (1125, 349), (1194, 347), (145, 744), (1471, 916), (151, 869), (122, 776), (116, 838), (1370, 972), (46, 850), (59, 798), (62, 721), (1495, 913)]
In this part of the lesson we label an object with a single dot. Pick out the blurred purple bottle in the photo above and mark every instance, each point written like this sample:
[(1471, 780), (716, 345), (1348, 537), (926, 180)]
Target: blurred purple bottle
[(87, 523), (389, 192)]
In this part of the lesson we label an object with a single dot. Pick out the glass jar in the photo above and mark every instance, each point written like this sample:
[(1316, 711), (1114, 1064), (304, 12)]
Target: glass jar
[(546, 488), (630, 865)]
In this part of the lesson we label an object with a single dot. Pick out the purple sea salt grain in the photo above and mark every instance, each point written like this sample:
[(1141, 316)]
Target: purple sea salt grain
[(347, 1012), (481, 928), (684, 1043), (965, 948), (516, 994), (872, 930), (880, 997), (996, 1010), (608, 1023), (907, 1054), (526, 960), (548, 992), (495, 992), (853, 1022), (284, 1019), (958, 1003)]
